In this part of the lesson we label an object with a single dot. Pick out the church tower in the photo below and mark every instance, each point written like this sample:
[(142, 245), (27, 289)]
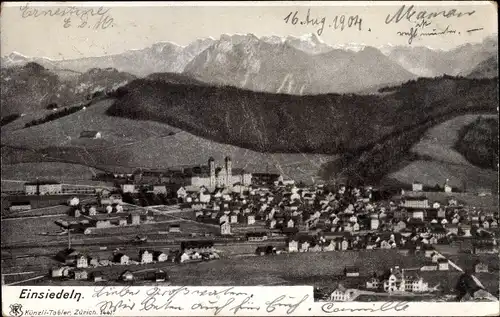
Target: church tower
[(211, 165), (229, 172)]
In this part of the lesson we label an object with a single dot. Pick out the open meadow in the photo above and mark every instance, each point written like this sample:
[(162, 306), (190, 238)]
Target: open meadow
[(62, 172), (437, 160), (132, 144), (439, 141), (287, 269)]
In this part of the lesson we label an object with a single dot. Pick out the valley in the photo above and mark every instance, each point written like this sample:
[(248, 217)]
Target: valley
[(190, 105), (149, 153), (130, 144)]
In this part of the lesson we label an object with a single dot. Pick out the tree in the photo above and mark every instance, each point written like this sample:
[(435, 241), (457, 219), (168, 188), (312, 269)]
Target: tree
[(34, 67)]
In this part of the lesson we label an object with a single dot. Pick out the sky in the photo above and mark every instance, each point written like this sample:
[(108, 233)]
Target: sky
[(121, 26)]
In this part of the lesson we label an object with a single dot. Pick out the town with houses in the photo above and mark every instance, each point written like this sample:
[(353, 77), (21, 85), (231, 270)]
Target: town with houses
[(299, 144), (166, 219)]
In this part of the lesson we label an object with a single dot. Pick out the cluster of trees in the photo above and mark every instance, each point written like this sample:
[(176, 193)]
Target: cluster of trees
[(425, 80), (8, 119), (373, 134), (478, 142), (34, 67), (145, 199), (97, 94), (370, 163), (55, 115), (328, 124)]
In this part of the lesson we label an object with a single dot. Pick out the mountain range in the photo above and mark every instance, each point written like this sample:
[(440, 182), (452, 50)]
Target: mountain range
[(486, 69), (253, 64), (292, 65), (32, 87), (160, 57), (427, 62)]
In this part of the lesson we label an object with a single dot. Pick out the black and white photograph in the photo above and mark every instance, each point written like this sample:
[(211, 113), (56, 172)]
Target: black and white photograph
[(352, 148)]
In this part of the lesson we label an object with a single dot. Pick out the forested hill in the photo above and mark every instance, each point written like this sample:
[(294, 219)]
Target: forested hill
[(329, 123), (478, 142)]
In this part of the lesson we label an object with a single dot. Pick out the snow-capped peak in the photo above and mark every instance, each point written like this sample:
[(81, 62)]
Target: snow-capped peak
[(312, 38), (273, 39), (356, 47), (15, 54)]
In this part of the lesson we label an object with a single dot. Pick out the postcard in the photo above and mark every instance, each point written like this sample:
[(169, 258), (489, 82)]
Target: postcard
[(232, 158)]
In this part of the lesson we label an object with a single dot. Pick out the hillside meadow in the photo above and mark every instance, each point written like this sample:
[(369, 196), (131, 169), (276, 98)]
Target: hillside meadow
[(434, 159), (159, 123), (129, 144), (327, 124)]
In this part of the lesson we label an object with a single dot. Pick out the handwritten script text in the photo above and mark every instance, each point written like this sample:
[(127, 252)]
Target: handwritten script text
[(91, 18)]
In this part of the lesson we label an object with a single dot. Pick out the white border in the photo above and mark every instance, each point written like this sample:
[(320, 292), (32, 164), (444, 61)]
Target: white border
[(247, 3)]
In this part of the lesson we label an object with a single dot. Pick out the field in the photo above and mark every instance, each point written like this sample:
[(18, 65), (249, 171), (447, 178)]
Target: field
[(15, 231), (65, 131), (132, 143), (324, 270), (467, 261), (431, 173), (487, 203), (44, 170), (45, 211), (437, 161), (20, 122), (490, 282), (489, 279), (28, 230), (319, 269), (439, 141)]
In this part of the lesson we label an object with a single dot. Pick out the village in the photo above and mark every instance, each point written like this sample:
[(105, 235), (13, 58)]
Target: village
[(198, 212)]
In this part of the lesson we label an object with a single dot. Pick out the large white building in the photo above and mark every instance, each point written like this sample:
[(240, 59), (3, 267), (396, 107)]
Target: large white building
[(415, 202), (225, 176), (209, 176), (401, 281)]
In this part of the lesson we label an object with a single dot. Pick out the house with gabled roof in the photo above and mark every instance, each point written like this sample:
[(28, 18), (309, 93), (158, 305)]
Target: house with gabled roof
[(225, 228), (342, 294), (121, 258), (443, 264), (127, 276), (159, 256), (146, 256)]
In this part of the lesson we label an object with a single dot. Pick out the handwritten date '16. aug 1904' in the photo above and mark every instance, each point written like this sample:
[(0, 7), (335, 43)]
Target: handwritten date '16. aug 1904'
[(339, 22)]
